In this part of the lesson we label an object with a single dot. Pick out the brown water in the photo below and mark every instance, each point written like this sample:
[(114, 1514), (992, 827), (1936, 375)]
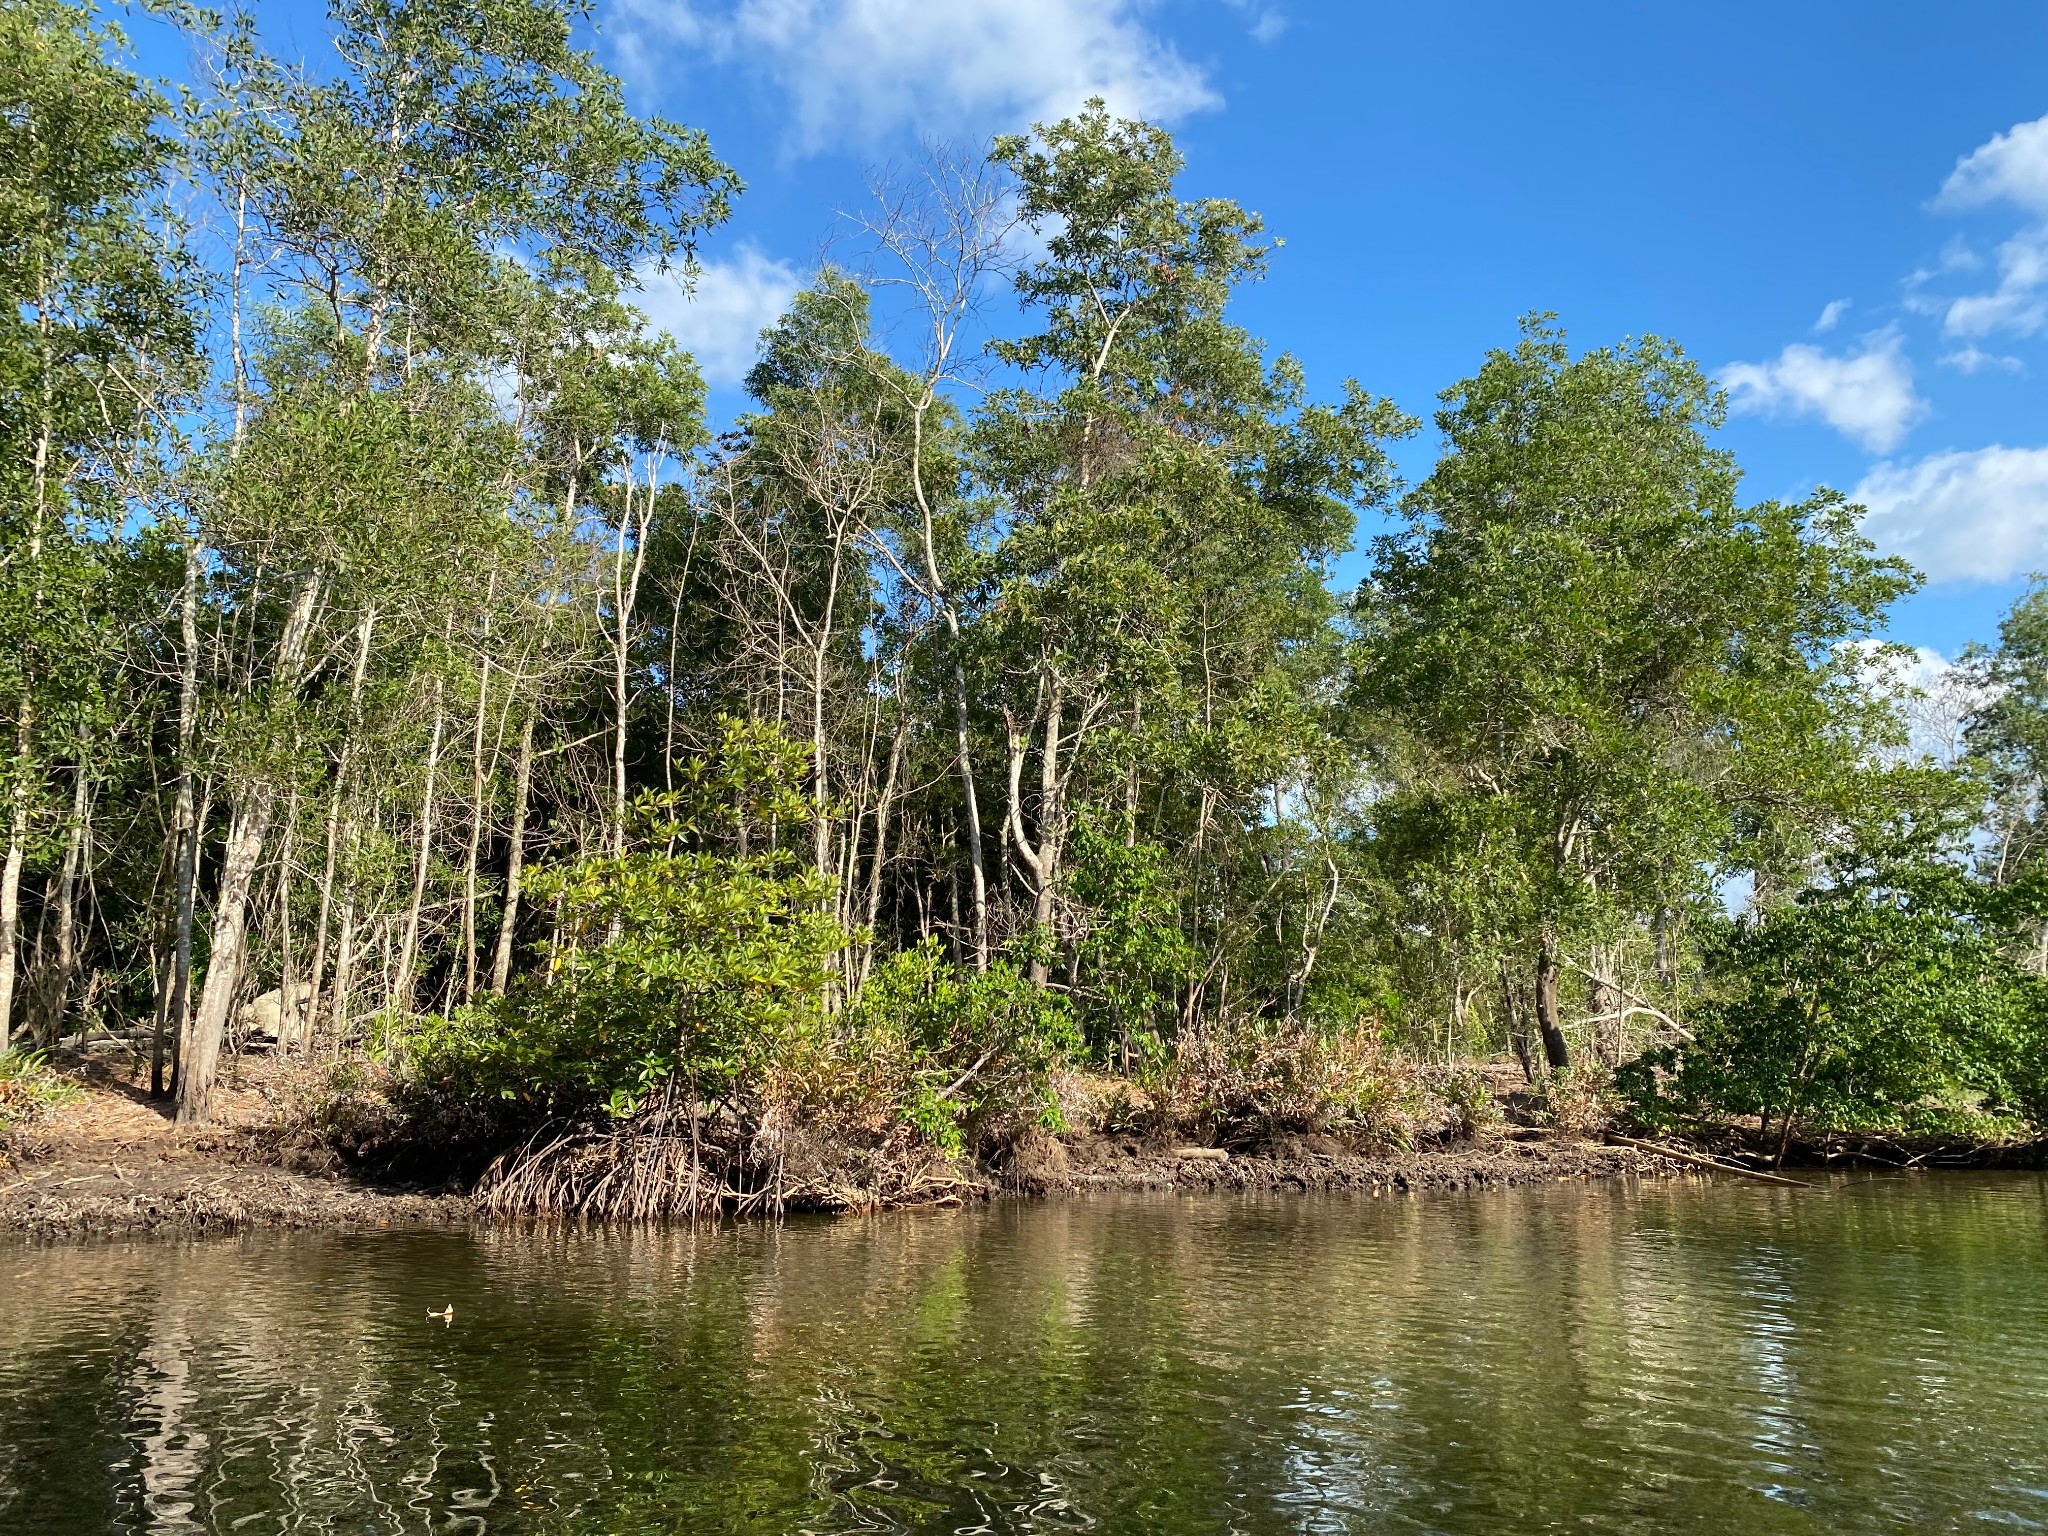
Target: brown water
[(1695, 1357)]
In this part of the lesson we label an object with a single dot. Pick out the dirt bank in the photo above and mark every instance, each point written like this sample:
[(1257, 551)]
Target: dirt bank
[(1098, 1164), (112, 1162), (89, 1198), (202, 1187)]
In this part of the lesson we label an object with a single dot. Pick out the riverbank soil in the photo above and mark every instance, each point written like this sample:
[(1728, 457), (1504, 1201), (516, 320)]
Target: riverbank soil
[(1094, 1164), (111, 1160)]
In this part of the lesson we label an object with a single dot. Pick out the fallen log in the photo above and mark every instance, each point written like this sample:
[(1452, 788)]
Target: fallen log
[(1700, 1160)]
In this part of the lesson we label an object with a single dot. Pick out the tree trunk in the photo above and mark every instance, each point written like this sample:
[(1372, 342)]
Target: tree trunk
[(625, 597), (515, 862), (24, 738), (953, 910), (474, 852), (1555, 1053), (1042, 861), (66, 967), (160, 972), (821, 767), (1049, 830), (1603, 1000), (1518, 1037), (344, 963), (288, 967), (10, 873), (177, 1002), (408, 949), (879, 858), (344, 763), (964, 761), (323, 921), (181, 994), (199, 1055)]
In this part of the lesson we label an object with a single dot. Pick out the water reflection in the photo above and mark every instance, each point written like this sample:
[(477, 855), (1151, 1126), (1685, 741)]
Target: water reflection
[(1625, 1359)]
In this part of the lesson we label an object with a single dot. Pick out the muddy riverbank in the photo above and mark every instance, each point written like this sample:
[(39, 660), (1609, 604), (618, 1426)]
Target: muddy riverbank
[(210, 1187), (111, 1162)]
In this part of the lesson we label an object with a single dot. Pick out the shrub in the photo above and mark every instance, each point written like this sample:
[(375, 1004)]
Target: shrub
[(1579, 1104), (1239, 1079), (963, 1056), (1131, 956), (1881, 1000), (673, 963), (696, 998), (1467, 1100), (694, 967), (29, 1090)]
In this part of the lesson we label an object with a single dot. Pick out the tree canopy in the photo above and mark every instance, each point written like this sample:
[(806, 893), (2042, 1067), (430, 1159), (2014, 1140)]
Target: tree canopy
[(384, 627)]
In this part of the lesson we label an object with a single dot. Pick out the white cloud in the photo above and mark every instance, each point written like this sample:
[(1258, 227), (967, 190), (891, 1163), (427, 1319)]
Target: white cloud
[(861, 69), (1866, 395), (1976, 360), (2011, 168), (2020, 301), (1267, 21), (719, 319), (1980, 515), (1832, 315), (1956, 256)]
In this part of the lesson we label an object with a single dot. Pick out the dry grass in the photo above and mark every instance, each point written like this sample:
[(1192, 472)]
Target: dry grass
[(1239, 1081), (30, 1092), (1578, 1105)]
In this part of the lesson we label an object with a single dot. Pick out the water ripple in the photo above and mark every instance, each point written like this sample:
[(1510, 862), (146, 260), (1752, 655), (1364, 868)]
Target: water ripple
[(1625, 1359)]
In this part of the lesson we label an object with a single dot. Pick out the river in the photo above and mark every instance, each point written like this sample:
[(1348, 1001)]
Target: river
[(1685, 1356)]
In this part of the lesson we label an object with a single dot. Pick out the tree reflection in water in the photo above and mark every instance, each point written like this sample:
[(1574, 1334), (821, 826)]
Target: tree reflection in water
[(1622, 1358)]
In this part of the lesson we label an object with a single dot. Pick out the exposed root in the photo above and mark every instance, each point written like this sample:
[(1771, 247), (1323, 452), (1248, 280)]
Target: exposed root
[(665, 1166)]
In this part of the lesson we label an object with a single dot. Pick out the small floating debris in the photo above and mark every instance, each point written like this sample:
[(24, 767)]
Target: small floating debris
[(446, 1316)]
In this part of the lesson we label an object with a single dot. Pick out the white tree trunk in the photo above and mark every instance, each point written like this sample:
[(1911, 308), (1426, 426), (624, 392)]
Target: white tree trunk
[(248, 829)]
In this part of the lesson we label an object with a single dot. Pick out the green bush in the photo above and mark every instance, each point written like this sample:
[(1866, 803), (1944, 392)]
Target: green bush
[(1131, 958), (1468, 1101), (695, 968), (679, 963), (1884, 999), (717, 981), (1240, 1079), (967, 1054)]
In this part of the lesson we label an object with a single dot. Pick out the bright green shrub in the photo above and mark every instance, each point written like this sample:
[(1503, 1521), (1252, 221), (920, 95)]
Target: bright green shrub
[(692, 967), (676, 963), (717, 979), (1132, 958), (1878, 1000), (959, 1054)]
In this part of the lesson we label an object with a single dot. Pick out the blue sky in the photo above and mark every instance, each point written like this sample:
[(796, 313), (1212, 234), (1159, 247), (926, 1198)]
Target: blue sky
[(1839, 208)]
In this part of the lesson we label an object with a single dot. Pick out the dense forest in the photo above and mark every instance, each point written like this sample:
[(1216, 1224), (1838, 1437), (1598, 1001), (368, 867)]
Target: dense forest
[(386, 641)]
